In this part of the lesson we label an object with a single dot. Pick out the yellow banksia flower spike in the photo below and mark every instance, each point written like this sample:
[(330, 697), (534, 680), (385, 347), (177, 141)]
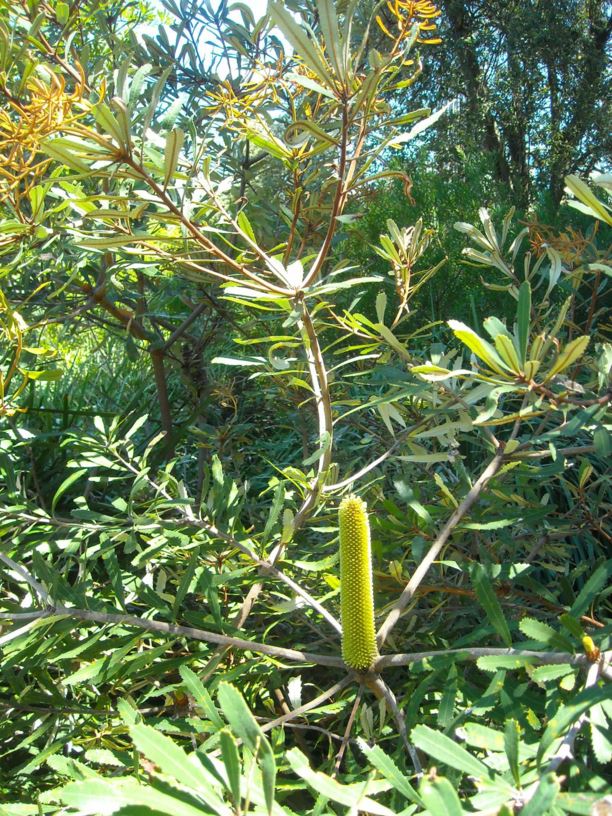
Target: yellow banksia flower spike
[(359, 649)]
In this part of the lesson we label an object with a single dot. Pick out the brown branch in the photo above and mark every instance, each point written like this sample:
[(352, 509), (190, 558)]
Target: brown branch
[(163, 628), (475, 652), (337, 205), (435, 549)]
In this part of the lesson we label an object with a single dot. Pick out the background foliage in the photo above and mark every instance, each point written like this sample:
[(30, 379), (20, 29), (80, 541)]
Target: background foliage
[(249, 266)]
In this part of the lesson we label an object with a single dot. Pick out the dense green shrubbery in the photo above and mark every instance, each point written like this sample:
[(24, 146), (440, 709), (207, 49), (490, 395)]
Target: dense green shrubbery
[(230, 360)]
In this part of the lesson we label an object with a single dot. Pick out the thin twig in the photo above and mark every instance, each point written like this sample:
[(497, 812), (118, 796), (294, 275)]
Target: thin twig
[(164, 628), (39, 589), (382, 692), (320, 387), (435, 549), (347, 733), (341, 684)]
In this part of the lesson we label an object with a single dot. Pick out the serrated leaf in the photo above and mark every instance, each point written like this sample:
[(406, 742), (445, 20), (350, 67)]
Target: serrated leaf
[(493, 663), (200, 694), (545, 674), (172, 761)]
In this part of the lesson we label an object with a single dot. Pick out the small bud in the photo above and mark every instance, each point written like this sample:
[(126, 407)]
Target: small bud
[(591, 650)]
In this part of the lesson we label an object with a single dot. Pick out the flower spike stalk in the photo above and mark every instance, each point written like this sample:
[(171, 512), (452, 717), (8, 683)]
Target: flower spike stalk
[(359, 649)]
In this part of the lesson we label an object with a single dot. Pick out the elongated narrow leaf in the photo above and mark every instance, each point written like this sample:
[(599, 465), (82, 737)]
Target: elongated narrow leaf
[(301, 42), (495, 662), (480, 347), (300, 130), (592, 587), (68, 482), (544, 797), (333, 44), (245, 726), (506, 350), (567, 714), (174, 145), (442, 749), (171, 759), (512, 734), (99, 797), (571, 352), (488, 600), (523, 320), (583, 192), (538, 630), (231, 760), (351, 795), (421, 126), (440, 797), (310, 84), (387, 767)]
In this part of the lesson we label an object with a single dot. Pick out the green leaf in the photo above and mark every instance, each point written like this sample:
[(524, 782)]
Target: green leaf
[(62, 12), (68, 482), (202, 698), (488, 600), (572, 625), (297, 133), (536, 630), (546, 674), (174, 762), (581, 804), (591, 589), (99, 797), (480, 347), (245, 226), (523, 320), (512, 733), (495, 662), (543, 798), (172, 153), (310, 84), (351, 795), (387, 767), (301, 42), (591, 204), (440, 797), (231, 760), (569, 713), (245, 726), (571, 352), (333, 43), (506, 350), (442, 749)]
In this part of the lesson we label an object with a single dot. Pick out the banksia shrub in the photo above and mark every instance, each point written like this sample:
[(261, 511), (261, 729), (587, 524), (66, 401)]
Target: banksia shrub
[(356, 590)]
